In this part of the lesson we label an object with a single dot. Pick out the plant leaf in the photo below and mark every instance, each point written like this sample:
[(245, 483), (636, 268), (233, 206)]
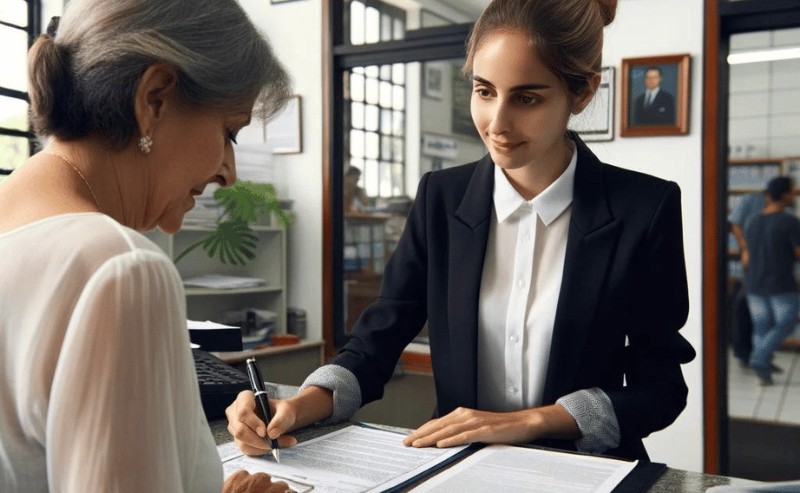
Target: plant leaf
[(233, 240)]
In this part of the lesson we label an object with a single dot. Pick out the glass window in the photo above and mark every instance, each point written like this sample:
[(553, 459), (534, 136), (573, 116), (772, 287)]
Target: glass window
[(14, 12), (13, 113), (375, 21), (14, 49), (13, 151), (15, 33)]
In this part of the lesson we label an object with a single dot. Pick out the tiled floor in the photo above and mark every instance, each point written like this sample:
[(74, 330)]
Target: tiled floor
[(779, 402)]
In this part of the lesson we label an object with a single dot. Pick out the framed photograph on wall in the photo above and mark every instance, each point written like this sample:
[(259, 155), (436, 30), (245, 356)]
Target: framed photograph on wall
[(596, 122), (433, 80), (655, 95), (284, 133)]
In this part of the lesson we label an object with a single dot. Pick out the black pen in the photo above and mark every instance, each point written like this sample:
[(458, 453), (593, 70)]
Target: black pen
[(262, 402)]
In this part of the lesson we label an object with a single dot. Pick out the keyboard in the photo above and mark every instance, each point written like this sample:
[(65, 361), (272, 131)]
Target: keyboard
[(219, 383)]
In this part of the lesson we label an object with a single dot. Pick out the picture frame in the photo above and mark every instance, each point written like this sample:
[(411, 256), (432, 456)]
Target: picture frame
[(596, 122), (273, 2), (284, 133), (433, 80), (666, 112)]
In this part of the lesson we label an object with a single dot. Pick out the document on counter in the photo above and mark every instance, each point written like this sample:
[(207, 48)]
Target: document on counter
[(353, 459), (519, 469)]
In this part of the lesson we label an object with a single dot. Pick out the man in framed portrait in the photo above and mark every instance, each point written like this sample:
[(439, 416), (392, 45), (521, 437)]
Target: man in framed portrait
[(655, 106)]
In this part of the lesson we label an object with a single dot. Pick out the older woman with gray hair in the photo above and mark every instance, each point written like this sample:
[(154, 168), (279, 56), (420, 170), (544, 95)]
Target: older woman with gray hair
[(139, 103)]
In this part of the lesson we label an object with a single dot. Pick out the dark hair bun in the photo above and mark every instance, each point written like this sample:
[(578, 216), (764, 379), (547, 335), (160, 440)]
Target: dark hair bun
[(50, 89), (609, 10)]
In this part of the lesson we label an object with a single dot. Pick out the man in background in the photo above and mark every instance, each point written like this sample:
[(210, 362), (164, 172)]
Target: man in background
[(656, 106), (742, 326), (773, 242)]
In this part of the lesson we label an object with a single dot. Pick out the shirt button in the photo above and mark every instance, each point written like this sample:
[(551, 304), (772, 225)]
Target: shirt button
[(527, 237), (521, 283), (513, 338), (513, 389)]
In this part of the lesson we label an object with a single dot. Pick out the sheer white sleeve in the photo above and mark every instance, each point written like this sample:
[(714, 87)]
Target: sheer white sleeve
[(125, 412)]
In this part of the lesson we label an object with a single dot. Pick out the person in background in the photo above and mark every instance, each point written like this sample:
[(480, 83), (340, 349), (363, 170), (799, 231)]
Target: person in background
[(355, 198), (655, 106), (773, 240), (742, 325), (532, 268), (139, 103)]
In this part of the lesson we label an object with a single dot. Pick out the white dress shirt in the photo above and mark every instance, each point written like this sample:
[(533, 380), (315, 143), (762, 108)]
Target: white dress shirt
[(520, 284)]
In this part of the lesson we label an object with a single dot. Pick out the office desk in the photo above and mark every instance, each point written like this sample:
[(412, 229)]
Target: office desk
[(672, 481)]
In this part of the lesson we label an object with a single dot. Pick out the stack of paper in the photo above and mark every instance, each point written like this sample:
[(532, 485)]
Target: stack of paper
[(219, 281)]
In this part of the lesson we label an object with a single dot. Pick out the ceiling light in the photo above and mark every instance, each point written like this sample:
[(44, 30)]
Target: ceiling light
[(764, 55)]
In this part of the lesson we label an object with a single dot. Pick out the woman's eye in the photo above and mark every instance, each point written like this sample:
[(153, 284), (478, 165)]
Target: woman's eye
[(527, 99), (482, 92)]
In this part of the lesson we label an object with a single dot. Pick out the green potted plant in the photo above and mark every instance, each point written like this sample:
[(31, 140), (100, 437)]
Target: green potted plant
[(233, 241)]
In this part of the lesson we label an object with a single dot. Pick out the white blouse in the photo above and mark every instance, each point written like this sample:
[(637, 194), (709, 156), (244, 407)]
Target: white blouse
[(98, 386), (520, 285)]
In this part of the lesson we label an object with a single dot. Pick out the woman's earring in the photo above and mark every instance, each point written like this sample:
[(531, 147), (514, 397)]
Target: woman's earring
[(145, 144)]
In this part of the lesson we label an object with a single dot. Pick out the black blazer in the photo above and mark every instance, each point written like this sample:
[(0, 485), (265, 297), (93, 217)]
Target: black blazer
[(624, 276)]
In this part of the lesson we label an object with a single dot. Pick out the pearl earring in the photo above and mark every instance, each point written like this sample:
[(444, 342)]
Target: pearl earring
[(145, 144)]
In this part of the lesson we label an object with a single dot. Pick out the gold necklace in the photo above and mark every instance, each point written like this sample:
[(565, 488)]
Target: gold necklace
[(83, 178)]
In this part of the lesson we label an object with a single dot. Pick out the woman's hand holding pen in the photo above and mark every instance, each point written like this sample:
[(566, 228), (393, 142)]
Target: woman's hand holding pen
[(250, 433), (465, 425)]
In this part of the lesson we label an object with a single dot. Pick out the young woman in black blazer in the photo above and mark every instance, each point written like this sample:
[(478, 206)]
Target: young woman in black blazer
[(553, 285)]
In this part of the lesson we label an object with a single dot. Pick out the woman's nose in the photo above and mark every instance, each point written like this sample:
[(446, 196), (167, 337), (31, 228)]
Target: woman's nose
[(501, 120)]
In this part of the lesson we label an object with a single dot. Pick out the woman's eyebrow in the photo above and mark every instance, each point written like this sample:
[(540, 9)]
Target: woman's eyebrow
[(522, 87)]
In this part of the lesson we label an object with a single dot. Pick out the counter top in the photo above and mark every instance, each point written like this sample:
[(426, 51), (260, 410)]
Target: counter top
[(672, 481)]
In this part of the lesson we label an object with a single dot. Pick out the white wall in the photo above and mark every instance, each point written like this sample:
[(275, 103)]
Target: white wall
[(294, 29), (634, 34)]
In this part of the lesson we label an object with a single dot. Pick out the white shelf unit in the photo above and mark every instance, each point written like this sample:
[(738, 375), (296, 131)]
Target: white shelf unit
[(208, 304)]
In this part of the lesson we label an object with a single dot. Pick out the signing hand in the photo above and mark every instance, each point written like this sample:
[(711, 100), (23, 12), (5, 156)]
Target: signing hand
[(465, 425), (244, 482), (249, 431)]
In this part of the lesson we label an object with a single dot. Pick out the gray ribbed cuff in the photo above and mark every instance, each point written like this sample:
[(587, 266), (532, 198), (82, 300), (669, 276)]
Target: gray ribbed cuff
[(595, 416), (345, 388)]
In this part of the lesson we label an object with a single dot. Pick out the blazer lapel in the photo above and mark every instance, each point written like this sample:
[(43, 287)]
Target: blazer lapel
[(591, 241), (468, 232)]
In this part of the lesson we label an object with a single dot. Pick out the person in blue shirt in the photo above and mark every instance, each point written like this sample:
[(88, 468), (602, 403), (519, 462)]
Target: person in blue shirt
[(741, 325), (773, 241)]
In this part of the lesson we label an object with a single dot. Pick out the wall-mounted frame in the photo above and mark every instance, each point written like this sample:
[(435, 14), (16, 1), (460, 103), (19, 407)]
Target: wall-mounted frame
[(664, 112), (596, 122), (440, 146), (433, 80), (285, 130)]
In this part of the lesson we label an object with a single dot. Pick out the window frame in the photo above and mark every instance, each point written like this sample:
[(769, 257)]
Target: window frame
[(425, 44), (32, 29)]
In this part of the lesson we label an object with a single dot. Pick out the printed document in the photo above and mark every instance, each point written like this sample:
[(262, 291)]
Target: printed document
[(519, 469), (353, 459)]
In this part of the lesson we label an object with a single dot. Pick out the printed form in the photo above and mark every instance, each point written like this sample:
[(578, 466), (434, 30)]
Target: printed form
[(353, 459), (518, 469)]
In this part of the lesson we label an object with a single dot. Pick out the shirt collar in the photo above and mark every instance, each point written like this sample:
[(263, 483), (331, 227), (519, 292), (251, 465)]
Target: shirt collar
[(549, 204)]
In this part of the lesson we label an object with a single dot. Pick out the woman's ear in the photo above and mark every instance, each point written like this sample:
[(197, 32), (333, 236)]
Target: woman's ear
[(583, 99), (156, 87)]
